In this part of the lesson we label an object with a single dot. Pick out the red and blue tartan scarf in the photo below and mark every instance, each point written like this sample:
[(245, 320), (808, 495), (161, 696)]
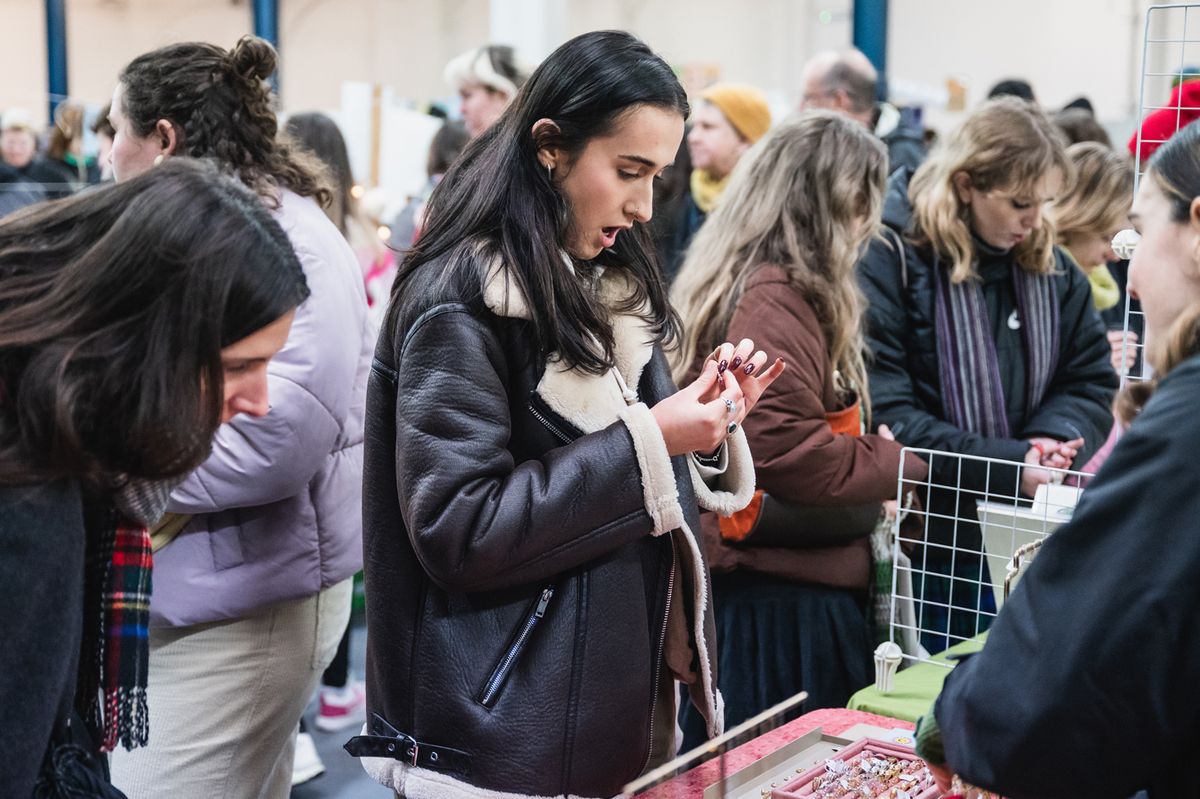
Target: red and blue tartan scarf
[(116, 652)]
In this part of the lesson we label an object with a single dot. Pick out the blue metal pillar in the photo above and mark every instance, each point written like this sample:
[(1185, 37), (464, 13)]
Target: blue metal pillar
[(56, 52), (870, 35), (266, 26)]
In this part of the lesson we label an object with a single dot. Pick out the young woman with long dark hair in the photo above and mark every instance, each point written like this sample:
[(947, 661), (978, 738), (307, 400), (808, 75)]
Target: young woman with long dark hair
[(255, 588), (531, 473), (134, 320)]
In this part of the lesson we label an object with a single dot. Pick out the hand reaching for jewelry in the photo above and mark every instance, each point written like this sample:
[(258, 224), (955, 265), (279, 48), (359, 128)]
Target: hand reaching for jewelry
[(699, 417)]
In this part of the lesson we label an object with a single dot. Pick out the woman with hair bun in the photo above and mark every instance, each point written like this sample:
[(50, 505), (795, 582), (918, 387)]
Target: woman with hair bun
[(253, 585)]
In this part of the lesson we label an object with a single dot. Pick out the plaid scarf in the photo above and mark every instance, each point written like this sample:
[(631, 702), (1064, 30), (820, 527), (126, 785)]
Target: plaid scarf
[(112, 695), (972, 392)]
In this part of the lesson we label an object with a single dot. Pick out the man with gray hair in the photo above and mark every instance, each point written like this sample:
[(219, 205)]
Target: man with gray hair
[(847, 82)]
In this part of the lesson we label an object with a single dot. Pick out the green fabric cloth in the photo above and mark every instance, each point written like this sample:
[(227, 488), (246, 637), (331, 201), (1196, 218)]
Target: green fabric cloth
[(1106, 293), (914, 689), (929, 740)]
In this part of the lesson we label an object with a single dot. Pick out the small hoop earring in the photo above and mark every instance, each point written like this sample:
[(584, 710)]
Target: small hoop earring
[(550, 173), (158, 159)]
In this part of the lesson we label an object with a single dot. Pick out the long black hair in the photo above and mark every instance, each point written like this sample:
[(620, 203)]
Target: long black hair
[(114, 307), (497, 197)]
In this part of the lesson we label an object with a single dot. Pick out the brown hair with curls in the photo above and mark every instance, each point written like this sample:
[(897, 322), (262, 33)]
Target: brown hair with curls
[(221, 108)]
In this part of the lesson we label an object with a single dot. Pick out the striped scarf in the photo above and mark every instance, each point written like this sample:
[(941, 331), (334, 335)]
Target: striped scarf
[(972, 392), (112, 693)]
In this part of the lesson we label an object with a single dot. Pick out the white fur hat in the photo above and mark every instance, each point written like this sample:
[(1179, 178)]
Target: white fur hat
[(476, 67), (17, 119)]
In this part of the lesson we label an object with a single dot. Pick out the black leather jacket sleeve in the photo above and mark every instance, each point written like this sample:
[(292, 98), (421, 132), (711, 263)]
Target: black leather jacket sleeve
[(478, 520)]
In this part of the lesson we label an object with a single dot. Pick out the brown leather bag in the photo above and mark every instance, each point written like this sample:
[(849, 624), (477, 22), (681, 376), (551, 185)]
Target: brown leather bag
[(769, 521)]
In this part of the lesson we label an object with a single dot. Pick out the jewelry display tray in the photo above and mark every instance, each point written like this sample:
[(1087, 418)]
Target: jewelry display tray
[(780, 767), (801, 786)]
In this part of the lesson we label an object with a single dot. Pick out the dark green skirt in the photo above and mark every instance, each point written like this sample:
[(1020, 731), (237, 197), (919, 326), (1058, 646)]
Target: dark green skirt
[(776, 638)]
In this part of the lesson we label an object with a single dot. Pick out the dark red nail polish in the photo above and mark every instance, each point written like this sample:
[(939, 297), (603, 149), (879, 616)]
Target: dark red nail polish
[(749, 369), (722, 366), (736, 363)]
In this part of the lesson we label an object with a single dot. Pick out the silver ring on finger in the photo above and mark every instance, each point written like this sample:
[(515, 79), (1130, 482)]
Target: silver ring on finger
[(731, 406)]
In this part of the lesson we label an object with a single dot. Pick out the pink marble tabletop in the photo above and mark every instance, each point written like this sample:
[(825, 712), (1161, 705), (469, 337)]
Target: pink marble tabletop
[(832, 721)]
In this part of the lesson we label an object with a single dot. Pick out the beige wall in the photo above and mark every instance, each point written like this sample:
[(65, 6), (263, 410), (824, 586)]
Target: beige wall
[(1065, 47), (404, 43), (23, 56)]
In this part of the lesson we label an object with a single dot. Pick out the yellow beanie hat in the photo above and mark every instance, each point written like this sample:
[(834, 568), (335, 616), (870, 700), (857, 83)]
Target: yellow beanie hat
[(744, 106)]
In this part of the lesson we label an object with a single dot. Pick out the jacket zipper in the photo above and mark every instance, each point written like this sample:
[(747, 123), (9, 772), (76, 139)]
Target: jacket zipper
[(658, 661), (491, 688), (560, 435)]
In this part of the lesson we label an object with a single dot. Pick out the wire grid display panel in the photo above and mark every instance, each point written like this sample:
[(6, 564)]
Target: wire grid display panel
[(953, 551), (1170, 51)]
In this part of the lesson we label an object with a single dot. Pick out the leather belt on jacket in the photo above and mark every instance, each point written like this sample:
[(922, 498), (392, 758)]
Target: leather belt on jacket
[(386, 741)]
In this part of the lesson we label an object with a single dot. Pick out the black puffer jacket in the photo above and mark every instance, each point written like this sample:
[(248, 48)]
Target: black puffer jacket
[(525, 536), (1090, 679), (904, 370)]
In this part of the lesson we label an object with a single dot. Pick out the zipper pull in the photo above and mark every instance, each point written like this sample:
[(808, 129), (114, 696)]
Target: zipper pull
[(543, 602)]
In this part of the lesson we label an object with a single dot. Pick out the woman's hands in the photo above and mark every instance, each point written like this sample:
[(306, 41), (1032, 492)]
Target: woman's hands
[(942, 776), (1046, 453), (699, 417), (1124, 350)]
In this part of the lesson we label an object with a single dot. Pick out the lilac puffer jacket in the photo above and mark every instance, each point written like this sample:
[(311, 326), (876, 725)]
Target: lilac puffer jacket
[(277, 507)]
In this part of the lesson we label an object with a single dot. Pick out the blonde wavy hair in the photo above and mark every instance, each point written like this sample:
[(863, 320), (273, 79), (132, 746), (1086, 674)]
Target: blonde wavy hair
[(1099, 201), (805, 198), (1006, 145)]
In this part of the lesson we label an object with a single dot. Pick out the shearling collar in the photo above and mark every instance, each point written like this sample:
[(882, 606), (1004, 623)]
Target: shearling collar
[(587, 401)]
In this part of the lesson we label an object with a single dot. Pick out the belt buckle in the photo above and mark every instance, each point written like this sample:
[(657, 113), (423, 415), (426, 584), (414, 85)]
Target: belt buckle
[(413, 751)]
